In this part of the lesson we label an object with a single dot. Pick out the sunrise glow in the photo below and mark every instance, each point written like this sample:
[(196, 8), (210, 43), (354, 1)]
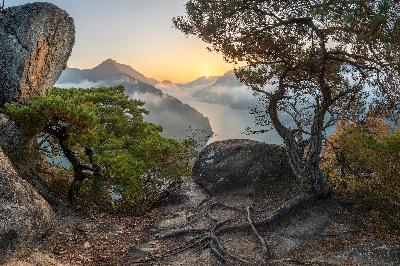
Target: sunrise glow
[(141, 35)]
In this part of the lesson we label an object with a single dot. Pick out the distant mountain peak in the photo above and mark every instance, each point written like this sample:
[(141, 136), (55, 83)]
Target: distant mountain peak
[(202, 81), (110, 61), (111, 67), (229, 79), (107, 63), (230, 73), (174, 116)]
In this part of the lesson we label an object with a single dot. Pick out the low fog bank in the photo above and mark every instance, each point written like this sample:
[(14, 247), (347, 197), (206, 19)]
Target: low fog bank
[(226, 102), (178, 120), (238, 98), (229, 123)]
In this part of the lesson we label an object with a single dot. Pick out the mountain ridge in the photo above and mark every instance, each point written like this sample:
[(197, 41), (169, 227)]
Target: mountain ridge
[(177, 118), (103, 70), (201, 81)]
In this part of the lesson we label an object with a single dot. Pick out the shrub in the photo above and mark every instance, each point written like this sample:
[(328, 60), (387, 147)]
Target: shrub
[(364, 160), (112, 150)]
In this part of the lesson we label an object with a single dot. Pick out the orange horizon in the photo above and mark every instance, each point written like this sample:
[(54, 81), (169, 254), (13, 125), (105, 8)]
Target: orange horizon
[(161, 72), (141, 34)]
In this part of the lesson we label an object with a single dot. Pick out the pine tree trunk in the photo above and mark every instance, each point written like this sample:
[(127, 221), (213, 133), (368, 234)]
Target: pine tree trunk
[(303, 156), (73, 158), (307, 170)]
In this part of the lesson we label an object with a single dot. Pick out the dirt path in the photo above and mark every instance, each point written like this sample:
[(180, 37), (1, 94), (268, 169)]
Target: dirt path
[(187, 232)]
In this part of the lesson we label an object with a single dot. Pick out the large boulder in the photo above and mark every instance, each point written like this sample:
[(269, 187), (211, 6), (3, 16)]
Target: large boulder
[(25, 217), (36, 41), (240, 165)]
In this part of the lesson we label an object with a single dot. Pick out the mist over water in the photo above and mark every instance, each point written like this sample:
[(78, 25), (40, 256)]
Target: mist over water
[(220, 101), (177, 119), (227, 108), (229, 123)]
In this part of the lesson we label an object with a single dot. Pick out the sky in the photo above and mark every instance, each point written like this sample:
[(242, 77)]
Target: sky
[(139, 33)]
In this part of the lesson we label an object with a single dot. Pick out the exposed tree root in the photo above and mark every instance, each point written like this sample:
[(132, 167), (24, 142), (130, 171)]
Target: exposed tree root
[(216, 253), (181, 232), (286, 208), (221, 247), (195, 242), (265, 249), (297, 262), (223, 206), (279, 213), (210, 238)]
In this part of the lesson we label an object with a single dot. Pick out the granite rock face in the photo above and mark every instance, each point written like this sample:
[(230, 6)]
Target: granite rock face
[(25, 217), (240, 164), (11, 139), (36, 41)]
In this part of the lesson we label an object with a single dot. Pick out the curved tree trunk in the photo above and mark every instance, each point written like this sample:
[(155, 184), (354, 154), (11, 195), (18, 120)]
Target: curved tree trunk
[(75, 187), (314, 171), (303, 156), (78, 167), (25, 159), (314, 154)]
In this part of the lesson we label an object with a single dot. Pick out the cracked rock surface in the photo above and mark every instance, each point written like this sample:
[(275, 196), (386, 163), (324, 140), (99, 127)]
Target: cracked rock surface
[(36, 41), (25, 217)]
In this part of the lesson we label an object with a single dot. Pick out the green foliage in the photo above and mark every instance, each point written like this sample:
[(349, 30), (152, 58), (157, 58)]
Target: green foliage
[(371, 168), (311, 62), (137, 162)]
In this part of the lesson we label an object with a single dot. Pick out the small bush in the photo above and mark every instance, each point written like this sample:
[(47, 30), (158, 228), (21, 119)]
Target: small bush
[(116, 156), (364, 161)]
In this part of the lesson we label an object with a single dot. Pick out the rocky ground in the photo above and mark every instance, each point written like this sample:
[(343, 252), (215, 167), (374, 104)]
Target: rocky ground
[(325, 232), (194, 228)]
